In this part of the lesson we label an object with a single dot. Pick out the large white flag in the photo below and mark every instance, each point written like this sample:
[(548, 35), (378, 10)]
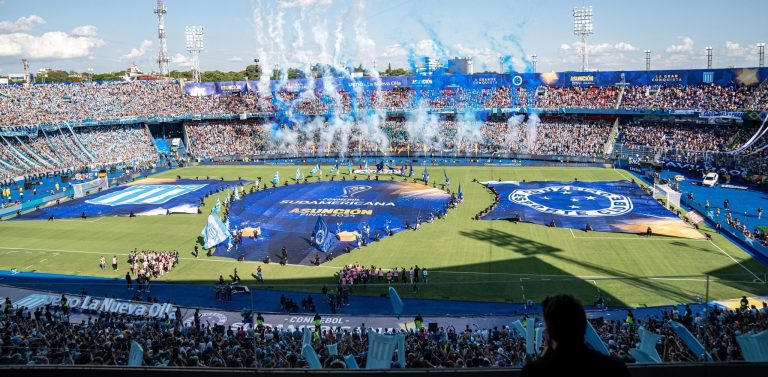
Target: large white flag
[(215, 232)]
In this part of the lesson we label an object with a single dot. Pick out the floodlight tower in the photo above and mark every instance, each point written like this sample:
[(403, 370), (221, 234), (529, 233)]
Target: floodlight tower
[(709, 57), (194, 36), (647, 60), (534, 60), (25, 63), (582, 27), (162, 56), (760, 54)]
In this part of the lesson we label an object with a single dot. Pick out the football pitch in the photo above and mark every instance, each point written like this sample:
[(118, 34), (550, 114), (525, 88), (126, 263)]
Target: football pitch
[(467, 259)]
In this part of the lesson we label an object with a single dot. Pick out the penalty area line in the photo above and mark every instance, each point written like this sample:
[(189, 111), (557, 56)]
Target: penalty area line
[(737, 262)]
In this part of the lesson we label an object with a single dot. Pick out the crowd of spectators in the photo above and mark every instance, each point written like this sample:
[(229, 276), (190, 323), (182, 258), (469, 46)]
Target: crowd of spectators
[(62, 151), (45, 336), (59, 103)]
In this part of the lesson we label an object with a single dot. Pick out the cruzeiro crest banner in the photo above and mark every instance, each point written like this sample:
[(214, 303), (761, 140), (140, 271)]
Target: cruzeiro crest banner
[(619, 206), (287, 216)]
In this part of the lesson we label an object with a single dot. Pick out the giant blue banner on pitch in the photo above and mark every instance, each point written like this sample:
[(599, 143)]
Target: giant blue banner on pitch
[(146, 197), (616, 206), (287, 216)]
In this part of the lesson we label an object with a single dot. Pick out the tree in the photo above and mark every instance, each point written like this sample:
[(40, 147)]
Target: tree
[(109, 76), (294, 73), (253, 72)]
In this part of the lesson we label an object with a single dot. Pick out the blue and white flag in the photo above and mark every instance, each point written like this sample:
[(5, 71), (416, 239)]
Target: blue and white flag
[(298, 173), (276, 177), (215, 232), (366, 165), (460, 196), (349, 167), (351, 362), (136, 356), (310, 355), (594, 340), (530, 332), (410, 173), (425, 175), (402, 169), (380, 166), (237, 194), (754, 347), (693, 344), (322, 235), (397, 302), (447, 180), (646, 350), (401, 349), (217, 207), (380, 350)]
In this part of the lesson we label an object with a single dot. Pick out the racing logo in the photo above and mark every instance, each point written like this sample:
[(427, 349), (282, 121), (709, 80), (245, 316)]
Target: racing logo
[(573, 201), (351, 191)]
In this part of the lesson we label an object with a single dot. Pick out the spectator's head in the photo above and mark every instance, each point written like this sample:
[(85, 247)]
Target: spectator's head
[(565, 319)]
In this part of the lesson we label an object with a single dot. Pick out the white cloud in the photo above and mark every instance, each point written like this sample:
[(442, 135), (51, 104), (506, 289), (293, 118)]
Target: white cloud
[(600, 48), (21, 24), (182, 60), (685, 47), (395, 50), (51, 45), (137, 52), (84, 31), (287, 4), (235, 59)]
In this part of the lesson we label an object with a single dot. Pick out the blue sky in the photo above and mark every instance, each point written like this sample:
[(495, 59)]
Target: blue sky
[(111, 35)]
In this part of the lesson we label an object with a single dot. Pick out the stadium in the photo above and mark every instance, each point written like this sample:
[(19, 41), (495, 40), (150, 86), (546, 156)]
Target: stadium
[(431, 217)]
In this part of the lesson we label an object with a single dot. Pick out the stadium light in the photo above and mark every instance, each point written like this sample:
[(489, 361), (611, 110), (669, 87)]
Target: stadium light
[(582, 27), (534, 59), (760, 54), (709, 57), (194, 35), (647, 60)]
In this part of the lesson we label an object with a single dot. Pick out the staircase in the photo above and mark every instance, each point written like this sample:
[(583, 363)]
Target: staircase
[(80, 144), (20, 156), (32, 153), (612, 138)]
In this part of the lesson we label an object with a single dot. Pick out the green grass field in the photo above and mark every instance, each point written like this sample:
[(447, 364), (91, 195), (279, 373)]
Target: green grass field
[(472, 260)]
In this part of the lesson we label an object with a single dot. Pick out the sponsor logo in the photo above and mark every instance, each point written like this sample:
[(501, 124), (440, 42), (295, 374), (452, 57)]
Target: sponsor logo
[(517, 80), (577, 201), (351, 191), (336, 212)]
